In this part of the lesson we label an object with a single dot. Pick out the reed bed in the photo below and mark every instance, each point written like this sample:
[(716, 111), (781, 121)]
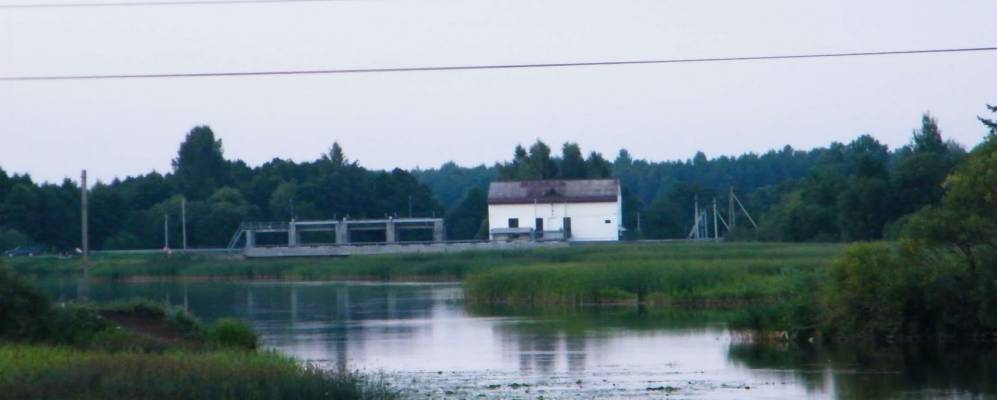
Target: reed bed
[(42, 372), (694, 275), (419, 267)]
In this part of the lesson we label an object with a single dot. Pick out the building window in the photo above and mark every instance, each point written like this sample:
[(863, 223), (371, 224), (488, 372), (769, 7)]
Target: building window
[(514, 222), (609, 221)]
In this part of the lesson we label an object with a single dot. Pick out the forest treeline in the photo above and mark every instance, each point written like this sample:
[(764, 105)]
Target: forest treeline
[(219, 194), (860, 190)]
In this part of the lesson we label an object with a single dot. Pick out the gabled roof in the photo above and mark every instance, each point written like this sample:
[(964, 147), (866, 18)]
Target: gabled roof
[(554, 191)]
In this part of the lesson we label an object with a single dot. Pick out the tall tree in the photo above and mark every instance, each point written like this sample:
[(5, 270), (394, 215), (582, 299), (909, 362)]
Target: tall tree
[(967, 216), (335, 155), (922, 166), (464, 222), (5, 184), (200, 167), (990, 123), (517, 169), (597, 167), (866, 203), (450, 182), (216, 218), (928, 139), (572, 164), (106, 216), (540, 164), (21, 210)]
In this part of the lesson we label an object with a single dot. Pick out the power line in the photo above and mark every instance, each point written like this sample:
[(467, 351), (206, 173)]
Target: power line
[(158, 3), (488, 66)]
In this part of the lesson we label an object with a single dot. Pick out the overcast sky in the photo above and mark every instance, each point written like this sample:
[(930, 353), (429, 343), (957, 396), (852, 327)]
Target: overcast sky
[(123, 127)]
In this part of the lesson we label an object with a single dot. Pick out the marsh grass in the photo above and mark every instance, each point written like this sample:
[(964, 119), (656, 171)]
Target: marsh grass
[(38, 372), (725, 274), (421, 267)]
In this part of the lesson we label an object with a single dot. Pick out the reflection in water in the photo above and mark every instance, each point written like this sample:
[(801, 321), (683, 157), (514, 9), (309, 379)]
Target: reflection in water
[(862, 372), (424, 332)]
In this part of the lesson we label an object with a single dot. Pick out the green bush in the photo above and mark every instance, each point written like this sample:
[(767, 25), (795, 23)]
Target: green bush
[(233, 333), (139, 307), (10, 238), (22, 307), (75, 324), (865, 291), (878, 291), (187, 323)]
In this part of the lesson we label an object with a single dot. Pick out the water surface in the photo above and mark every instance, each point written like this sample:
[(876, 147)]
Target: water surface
[(425, 340)]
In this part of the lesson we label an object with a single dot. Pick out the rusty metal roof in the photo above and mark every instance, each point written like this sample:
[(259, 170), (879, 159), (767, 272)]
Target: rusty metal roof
[(554, 191)]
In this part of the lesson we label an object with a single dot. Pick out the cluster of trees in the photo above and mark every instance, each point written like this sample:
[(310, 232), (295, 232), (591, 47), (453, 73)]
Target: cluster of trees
[(856, 191), (538, 164), (862, 191), (219, 195), (467, 215), (941, 281), (661, 192)]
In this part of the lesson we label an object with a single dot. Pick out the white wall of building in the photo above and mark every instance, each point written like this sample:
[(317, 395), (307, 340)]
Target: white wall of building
[(589, 221)]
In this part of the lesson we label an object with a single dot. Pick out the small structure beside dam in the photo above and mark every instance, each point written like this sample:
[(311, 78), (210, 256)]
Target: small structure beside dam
[(380, 236), (343, 230), (395, 248)]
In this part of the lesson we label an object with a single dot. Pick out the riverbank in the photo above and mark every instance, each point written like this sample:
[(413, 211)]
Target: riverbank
[(147, 350), (420, 267)]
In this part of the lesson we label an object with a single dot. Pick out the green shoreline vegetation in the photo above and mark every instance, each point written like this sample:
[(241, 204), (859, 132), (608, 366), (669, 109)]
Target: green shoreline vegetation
[(420, 267), (669, 274), (938, 281), (147, 350)]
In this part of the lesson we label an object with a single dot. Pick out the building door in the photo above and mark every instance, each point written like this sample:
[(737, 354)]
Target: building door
[(540, 228), (567, 227)]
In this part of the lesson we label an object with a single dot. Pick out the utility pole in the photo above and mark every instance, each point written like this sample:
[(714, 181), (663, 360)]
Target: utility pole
[(166, 232), (84, 223), (410, 206), (746, 214), (183, 220), (638, 221), (730, 209), (716, 232), (695, 214)]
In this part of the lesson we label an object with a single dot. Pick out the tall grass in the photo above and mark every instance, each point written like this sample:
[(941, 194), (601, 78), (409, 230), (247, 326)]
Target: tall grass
[(36, 372), (699, 274), (425, 267)]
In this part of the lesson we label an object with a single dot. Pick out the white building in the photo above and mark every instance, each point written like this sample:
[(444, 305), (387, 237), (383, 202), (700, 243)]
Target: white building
[(576, 210)]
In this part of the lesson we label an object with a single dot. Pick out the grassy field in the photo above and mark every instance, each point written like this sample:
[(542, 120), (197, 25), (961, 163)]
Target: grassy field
[(431, 267)]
